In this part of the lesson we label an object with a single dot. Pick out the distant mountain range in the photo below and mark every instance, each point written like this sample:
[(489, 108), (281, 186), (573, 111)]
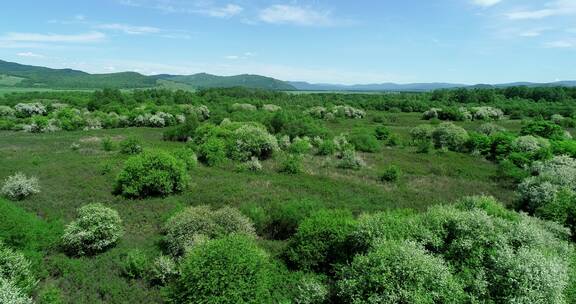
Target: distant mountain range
[(19, 75)]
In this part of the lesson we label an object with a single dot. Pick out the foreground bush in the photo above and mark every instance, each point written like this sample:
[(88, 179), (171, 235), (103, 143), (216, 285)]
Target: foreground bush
[(398, 272), (228, 270), (96, 229), (197, 224), (18, 186), (152, 174), (11, 294), (321, 240), (16, 269)]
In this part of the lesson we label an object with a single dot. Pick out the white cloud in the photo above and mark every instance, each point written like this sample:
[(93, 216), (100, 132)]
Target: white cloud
[(227, 11), (29, 55), (530, 33), (551, 9), (232, 57), (288, 14), (486, 3), (35, 37), (129, 29), (561, 44)]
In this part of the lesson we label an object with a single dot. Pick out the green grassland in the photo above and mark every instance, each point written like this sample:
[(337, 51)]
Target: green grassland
[(70, 179)]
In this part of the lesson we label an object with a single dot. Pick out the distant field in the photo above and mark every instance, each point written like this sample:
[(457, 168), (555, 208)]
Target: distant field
[(6, 80)]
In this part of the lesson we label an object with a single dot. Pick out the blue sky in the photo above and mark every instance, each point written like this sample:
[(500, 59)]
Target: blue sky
[(339, 41)]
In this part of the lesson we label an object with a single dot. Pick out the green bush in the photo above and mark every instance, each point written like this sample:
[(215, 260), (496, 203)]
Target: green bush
[(131, 146), (291, 164), (321, 241), (382, 133), (544, 129), (134, 264), (327, 147), (187, 156), (300, 146), (350, 160), (108, 144), (365, 142), (96, 229), (212, 152), (182, 132), (398, 272), (151, 174), (197, 224), (228, 270), (391, 174), (284, 218)]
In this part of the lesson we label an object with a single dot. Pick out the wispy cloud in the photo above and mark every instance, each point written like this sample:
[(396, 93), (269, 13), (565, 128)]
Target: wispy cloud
[(296, 15), (29, 55), (561, 44), (36, 37), (129, 29), (201, 7), (550, 9), (246, 55), (486, 3)]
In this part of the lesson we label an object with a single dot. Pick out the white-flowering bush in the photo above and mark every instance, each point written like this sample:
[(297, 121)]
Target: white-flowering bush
[(284, 142), (557, 118), (163, 270), (348, 112), (449, 136), (271, 108), (252, 141), (311, 290), (487, 113), (93, 123), (10, 294), (96, 229), (317, 112), (490, 129), (18, 186), (156, 121), (465, 113), (30, 109), (560, 170), (243, 107), (421, 133), (341, 142), (534, 192), (6, 111), (529, 143), (431, 114), (350, 160), (252, 165), (15, 268), (202, 112), (180, 118), (197, 224)]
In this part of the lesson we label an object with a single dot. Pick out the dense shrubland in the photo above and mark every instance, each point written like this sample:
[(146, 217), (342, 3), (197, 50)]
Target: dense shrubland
[(181, 242)]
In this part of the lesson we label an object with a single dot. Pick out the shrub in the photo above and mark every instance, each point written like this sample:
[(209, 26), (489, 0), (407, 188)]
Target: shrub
[(327, 147), (11, 294), (490, 129), (391, 174), (432, 113), (487, 113), (29, 109), (253, 165), (544, 129), (6, 111), (311, 289), (252, 141), (96, 229), (529, 143), (285, 217), (187, 156), (108, 144), (382, 132), (243, 107), (75, 146), (196, 224), (321, 241), (18, 186), (213, 152), (449, 136), (134, 264), (350, 160), (215, 272), (398, 272), (131, 146), (365, 142), (16, 269), (271, 108), (300, 146), (152, 174), (182, 132), (348, 112), (163, 270), (422, 133), (291, 164)]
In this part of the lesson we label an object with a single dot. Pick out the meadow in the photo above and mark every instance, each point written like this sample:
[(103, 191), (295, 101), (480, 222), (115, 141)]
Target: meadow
[(78, 167)]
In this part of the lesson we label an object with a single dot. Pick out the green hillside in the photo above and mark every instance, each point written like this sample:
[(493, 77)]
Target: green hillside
[(204, 80)]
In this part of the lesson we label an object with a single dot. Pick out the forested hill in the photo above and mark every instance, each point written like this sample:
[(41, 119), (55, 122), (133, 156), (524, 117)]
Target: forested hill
[(19, 75)]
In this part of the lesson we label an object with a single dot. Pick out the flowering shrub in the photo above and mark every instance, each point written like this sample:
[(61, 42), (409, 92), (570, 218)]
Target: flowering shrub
[(449, 136), (96, 229), (556, 118), (152, 174), (6, 111), (163, 270), (16, 269), (29, 109), (253, 165), (252, 141), (431, 114), (12, 294), (243, 107), (197, 224), (487, 113), (529, 143), (348, 112), (421, 133), (317, 112), (490, 129), (271, 108), (350, 160), (398, 272), (18, 186), (311, 290)]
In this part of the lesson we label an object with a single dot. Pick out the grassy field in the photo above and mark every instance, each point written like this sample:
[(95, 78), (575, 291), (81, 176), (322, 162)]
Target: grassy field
[(72, 178)]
